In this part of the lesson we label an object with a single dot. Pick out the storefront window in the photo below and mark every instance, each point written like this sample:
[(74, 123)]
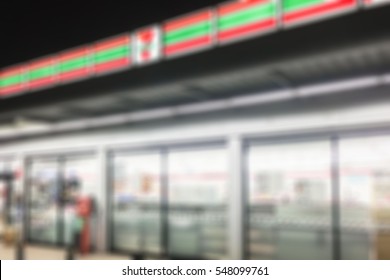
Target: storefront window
[(43, 201), (3, 196), (54, 185), (197, 203), (365, 198), (289, 201), (80, 179), (136, 203)]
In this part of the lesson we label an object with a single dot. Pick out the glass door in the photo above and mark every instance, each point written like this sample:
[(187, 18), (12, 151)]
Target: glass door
[(80, 178), (44, 201), (5, 196), (289, 201), (365, 198), (136, 207), (54, 185), (197, 217)]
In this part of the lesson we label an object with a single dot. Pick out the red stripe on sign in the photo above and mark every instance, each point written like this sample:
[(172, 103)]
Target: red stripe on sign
[(193, 19), (73, 75), (73, 54), (246, 30), (112, 65), (125, 40), (41, 83), (315, 11), (11, 90), (235, 7), (146, 35), (191, 44), (41, 63), (146, 56)]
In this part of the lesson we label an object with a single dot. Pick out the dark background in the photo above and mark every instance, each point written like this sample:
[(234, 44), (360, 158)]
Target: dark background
[(30, 29)]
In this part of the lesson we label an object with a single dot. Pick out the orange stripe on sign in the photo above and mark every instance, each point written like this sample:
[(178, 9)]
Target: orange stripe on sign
[(236, 7), (41, 63), (109, 44), (11, 71), (183, 22), (74, 54)]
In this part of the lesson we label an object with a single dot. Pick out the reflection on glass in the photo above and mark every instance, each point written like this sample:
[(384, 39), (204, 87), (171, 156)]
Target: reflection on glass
[(197, 203), (16, 213), (136, 203), (79, 179), (43, 202), (289, 201), (365, 198), (3, 195)]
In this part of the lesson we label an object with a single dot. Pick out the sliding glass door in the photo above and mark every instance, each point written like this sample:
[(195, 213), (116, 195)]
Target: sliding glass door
[(44, 203), (136, 207), (53, 186), (289, 201), (365, 198), (198, 188), (170, 201)]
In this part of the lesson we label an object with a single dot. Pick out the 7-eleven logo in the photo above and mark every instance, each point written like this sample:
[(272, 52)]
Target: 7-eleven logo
[(148, 45)]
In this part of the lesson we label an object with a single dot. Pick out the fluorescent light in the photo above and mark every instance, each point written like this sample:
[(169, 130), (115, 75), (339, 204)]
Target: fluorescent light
[(339, 86), (208, 106), (262, 98), (150, 115), (107, 121), (202, 107), (386, 79)]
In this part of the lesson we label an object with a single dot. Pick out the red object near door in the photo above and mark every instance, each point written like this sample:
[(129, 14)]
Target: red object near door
[(84, 210)]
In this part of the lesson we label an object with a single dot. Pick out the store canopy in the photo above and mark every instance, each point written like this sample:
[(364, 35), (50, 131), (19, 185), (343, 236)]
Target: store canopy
[(353, 46)]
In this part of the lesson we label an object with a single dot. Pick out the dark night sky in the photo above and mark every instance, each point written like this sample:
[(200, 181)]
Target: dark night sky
[(35, 28)]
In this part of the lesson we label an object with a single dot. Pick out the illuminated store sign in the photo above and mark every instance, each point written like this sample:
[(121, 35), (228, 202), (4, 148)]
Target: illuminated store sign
[(112, 54), (229, 22), (188, 34), (12, 80), (74, 64), (42, 73), (299, 11), (239, 20), (148, 45)]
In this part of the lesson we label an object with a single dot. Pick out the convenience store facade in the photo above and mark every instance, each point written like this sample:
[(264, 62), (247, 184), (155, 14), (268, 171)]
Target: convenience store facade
[(297, 171)]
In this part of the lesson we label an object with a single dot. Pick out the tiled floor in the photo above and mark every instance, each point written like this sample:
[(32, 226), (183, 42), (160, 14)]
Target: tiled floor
[(33, 252)]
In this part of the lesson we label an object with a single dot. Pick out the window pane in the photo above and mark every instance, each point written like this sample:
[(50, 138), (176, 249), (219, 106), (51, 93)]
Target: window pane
[(136, 203), (365, 198), (4, 168), (43, 201), (79, 179), (197, 203), (17, 194), (290, 201)]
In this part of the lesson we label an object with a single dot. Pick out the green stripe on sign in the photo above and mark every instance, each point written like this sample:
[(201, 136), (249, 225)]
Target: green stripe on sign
[(112, 54), (41, 72), (289, 5), (73, 64), (248, 16), (188, 33), (11, 80)]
